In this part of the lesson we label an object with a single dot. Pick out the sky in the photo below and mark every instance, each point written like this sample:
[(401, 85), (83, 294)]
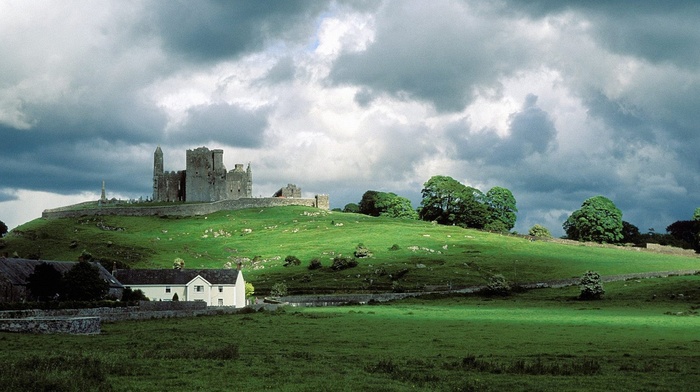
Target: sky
[(558, 101)]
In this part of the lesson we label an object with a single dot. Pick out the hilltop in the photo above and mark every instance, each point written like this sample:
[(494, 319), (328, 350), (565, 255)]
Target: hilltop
[(406, 254)]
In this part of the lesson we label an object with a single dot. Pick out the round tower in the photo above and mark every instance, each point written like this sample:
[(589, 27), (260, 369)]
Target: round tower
[(158, 161)]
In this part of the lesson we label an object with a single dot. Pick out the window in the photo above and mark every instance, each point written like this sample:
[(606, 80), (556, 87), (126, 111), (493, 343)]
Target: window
[(221, 289), (167, 289), (199, 289)]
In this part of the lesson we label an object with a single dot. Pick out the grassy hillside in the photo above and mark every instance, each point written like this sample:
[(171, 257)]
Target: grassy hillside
[(262, 238)]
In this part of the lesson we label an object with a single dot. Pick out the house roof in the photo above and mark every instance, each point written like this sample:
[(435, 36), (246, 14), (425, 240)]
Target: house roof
[(16, 271), (175, 276)]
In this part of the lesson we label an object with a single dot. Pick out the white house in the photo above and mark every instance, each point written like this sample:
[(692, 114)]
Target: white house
[(216, 287)]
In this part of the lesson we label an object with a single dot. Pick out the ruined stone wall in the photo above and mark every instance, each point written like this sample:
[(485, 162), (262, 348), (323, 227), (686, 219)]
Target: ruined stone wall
[(53, 325), (187, 209), (169, 186), (239, 183)]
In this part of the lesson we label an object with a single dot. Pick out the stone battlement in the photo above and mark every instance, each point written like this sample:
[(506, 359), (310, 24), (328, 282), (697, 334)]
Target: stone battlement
[(189, 209)]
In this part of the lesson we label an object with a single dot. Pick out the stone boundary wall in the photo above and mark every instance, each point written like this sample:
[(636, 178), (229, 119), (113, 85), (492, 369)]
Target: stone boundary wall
[(52, 325), (186, 209), (88, 321)]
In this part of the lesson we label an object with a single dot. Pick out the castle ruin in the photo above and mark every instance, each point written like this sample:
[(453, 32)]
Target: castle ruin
[(205, 178)]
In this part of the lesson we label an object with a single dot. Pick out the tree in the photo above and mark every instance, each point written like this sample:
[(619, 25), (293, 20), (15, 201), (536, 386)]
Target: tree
[(631, 234), (45, 283), (687, 233), (449, 202), (84, 283), (591, 286), (400, 207), (249, 290), (501, 209), (129, 295), (3, 229), (375, 203), (597, 220), (696, 215), (351, 207), (539, 231)]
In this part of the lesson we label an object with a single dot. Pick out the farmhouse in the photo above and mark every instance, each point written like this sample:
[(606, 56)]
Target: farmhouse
[(216, 287), (14, 274)]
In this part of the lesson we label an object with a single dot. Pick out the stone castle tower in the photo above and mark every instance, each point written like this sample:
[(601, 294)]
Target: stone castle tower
[(204, 179)]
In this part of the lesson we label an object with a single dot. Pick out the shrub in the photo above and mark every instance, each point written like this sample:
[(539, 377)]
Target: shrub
[(539, 231), (178, 263), (291, 260), (343, 262), (176, 298), (278, 290), (362, 251), (315, 264), (249, 290), (591, 286), (129, 295), (498, 285)]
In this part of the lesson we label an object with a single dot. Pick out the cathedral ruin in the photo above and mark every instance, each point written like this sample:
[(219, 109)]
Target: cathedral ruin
[(205, 178)]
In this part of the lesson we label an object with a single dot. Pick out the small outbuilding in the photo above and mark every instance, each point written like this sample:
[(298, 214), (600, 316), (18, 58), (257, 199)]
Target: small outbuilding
[(15, 272)]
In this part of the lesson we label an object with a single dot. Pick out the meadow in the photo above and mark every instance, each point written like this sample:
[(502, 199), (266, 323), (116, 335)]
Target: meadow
[(407, 255), (643, 336)]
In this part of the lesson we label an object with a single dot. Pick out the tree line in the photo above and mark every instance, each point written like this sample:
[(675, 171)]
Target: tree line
[(446, 201)]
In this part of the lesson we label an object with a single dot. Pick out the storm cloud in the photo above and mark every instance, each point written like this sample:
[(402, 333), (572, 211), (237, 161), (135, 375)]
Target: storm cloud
[(557, 101)]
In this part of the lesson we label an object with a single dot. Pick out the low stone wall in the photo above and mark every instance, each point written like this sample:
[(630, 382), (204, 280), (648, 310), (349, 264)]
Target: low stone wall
[(53, 325), (185, 209), (82, 321)]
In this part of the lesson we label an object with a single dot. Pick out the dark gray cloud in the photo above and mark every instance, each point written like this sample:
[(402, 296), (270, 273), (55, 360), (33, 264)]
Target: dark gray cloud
[(441, 55), (612, 111), (216, 30), (657, 31), (531, 131)]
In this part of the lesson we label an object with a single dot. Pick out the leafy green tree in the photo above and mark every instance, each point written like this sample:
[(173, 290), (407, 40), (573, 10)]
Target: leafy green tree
[(449, 202), (501, 209), (539, 231), (597, 220), (591, 286), (3, 229), (400, 207), (45, 283), (351, 207), (696, 216), (84, 283), (375, 203), (249, 290)]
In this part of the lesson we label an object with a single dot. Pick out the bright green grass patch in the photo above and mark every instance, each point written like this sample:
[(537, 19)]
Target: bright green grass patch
[(539, 340), (427, 254)]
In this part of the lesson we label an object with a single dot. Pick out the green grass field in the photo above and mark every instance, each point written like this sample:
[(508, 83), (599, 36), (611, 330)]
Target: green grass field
[(642, 337), (428, 254)]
